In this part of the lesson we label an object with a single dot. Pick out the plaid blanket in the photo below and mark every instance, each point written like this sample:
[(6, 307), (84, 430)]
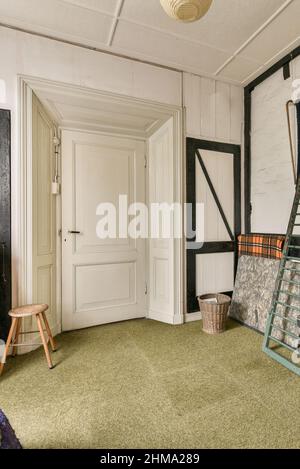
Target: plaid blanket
[(268, 246)]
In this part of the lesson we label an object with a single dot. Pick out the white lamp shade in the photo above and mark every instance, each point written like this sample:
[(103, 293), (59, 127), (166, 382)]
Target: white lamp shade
[(186, 10)]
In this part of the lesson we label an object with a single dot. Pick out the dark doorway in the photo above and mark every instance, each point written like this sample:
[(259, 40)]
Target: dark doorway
[(5, 222)]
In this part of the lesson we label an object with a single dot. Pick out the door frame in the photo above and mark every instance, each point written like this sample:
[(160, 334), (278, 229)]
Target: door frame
[(22, 201)]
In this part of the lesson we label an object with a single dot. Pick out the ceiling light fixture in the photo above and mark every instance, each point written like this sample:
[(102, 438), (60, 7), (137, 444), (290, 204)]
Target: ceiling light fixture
[(186, 10)]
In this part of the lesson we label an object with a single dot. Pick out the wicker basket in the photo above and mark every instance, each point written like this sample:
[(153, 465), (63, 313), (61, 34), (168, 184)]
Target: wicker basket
[(214, 315)]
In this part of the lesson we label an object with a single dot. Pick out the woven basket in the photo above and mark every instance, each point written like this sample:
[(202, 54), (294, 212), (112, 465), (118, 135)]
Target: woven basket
[(214, 315)]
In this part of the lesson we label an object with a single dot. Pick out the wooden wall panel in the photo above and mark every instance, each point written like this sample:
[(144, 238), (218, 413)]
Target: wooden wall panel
[(214, 110)]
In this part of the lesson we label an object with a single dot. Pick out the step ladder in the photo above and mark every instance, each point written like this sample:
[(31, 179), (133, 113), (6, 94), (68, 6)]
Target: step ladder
[(281, 291)]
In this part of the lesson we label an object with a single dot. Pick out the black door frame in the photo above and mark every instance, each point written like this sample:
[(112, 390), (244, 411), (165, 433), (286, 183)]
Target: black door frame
[(193, 152), (5, 221)]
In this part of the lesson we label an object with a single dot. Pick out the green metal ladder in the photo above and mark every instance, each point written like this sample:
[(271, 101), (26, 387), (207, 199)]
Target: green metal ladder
[(280, 290)]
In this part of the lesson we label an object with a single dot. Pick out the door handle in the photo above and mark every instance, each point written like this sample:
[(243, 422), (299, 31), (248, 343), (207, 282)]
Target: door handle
[(74, 232)]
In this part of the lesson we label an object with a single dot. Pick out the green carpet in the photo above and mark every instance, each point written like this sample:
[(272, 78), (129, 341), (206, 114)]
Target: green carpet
[(143, 384)]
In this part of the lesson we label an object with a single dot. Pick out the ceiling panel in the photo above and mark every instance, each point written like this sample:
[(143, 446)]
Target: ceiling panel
[(227, 25), (284, 30), (56, 16), (161, 47), (239, 69), (107, 6), (144, 31)]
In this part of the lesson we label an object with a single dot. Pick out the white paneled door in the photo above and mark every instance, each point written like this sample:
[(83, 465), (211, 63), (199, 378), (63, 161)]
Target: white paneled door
[(103, 280)]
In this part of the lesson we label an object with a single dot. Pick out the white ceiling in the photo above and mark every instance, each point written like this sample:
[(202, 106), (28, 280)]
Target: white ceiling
[(235, 41)]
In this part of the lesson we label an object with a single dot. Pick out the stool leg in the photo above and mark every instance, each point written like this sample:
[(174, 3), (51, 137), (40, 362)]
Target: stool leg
[(18, 328), (40, 326), (8, 342), (52, 342)]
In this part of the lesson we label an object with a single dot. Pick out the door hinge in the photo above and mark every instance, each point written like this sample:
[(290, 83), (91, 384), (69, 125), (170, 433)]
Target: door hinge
[(146, 288), (145, 161)]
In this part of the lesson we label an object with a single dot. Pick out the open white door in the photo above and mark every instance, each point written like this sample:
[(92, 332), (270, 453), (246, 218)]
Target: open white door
[(162, 271), (43, 213), (103, 280)]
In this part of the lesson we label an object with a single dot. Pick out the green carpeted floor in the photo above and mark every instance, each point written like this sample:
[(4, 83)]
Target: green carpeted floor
[(146, 384)]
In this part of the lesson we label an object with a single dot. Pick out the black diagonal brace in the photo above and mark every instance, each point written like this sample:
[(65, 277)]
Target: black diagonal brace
[(215, 196)]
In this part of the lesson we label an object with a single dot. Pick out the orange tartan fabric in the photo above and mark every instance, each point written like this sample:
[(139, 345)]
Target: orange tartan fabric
[(266, 246)]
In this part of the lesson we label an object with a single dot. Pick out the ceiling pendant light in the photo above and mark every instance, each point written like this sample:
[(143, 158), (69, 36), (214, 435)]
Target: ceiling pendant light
[(186, 10)]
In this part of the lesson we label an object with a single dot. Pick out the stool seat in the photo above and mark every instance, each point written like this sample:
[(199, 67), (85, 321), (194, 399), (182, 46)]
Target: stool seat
[(27, 310)]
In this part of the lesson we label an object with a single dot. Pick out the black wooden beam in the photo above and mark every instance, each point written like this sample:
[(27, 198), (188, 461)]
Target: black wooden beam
[(5, 222), (277, 66), (247, 160), (298, 127), (215, 247)]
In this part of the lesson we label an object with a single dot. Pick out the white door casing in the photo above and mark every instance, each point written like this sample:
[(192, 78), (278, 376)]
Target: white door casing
[(103, 280)]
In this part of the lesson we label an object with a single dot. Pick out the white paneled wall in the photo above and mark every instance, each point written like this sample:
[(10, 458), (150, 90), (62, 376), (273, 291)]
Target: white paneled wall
[(214, 110), (214, 273), (272, 185), (24, 54)]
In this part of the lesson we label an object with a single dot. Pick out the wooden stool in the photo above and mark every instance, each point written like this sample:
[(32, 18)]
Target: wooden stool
[(17, 314)]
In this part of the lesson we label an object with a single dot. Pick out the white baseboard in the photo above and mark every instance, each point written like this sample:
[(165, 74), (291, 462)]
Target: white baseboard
[(166, 318), (190, 317)]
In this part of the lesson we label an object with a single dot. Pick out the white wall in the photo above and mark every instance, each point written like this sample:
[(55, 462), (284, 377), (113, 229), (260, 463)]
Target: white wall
[(272, 183), (213, 111), (23, 54)]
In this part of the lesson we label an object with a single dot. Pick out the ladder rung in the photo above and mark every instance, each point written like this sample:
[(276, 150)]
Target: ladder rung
[(289, 281), (292, 349), (291, 270), (290, 258), (292, 321), (292, 246), (286, 332), (288, 293), (288, 306)]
